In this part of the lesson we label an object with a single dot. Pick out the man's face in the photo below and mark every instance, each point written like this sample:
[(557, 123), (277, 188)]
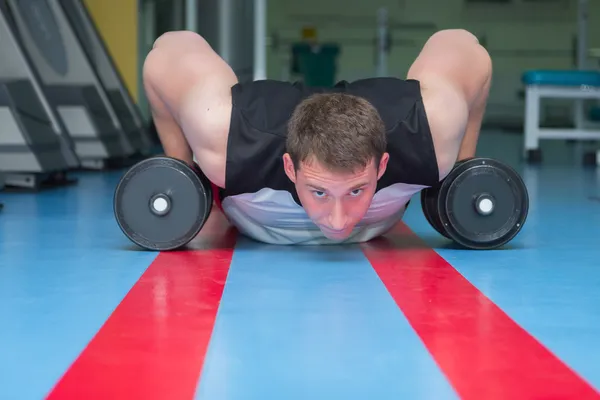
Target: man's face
[(335, 202)]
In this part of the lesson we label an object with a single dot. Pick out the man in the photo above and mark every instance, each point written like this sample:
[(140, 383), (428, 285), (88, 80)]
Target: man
[(298, 165)]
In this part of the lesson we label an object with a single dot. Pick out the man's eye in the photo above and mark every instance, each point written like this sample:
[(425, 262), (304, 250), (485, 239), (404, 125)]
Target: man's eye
[(356, 192), (319, 193)]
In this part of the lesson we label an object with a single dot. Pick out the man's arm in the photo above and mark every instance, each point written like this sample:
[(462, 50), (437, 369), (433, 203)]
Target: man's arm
[(180, 72)]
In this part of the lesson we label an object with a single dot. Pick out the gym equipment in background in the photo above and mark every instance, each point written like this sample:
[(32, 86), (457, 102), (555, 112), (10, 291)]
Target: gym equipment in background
[(34, 150), (100, 59), (1, 187), (481, 204), (69, 82), (162, 203), (316, 63), (576, 85)]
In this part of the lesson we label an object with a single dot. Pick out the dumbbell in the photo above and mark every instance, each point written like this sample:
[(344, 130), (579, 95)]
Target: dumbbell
[(162, 203), (481, 204)]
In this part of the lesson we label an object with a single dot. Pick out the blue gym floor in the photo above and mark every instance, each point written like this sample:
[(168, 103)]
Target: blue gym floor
[(86, 315)]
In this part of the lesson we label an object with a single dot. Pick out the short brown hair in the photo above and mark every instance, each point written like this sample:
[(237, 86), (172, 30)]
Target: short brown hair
[(342, 132)]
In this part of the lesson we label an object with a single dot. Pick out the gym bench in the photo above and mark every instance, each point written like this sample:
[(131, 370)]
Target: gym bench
[(579, 85)]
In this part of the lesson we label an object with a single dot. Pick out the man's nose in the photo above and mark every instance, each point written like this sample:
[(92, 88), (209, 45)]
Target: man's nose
[(337, 217)]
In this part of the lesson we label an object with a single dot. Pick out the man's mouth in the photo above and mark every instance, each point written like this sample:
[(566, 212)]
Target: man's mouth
[(333, 231)]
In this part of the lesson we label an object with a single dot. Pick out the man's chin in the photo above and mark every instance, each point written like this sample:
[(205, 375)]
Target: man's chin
[(336, 235)]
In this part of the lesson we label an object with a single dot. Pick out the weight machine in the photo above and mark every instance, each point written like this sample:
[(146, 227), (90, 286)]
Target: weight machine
[(580, 84)]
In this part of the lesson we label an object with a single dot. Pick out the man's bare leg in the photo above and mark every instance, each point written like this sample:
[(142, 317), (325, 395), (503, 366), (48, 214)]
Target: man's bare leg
[(189, 90), (170, 133), (468, 147), (455, 74), (156, 69)]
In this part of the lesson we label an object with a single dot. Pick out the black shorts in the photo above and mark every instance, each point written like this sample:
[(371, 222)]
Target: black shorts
[(261, 111)]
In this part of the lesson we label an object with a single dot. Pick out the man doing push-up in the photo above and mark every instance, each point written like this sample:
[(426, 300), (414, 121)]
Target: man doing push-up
[(303, 165)]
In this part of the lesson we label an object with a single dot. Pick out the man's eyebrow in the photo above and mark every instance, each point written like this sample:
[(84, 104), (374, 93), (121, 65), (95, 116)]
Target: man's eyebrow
[(358, 186), (316, 187), (355, 187)]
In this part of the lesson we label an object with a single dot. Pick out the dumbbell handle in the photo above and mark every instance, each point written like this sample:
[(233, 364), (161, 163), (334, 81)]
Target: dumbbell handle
[(485, 204)]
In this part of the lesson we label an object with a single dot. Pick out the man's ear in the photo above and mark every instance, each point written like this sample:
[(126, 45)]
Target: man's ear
[(383, 165), (288, 166)]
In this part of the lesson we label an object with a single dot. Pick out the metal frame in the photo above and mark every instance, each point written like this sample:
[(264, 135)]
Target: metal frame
[(260, 40), (191, 15), (584, 129)]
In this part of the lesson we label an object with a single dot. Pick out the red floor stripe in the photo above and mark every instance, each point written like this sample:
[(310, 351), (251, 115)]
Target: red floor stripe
[(482, 351), (153, 345)]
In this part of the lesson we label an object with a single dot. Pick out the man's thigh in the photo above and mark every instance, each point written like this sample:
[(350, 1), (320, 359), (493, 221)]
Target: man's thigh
[(453, 69), (447, 115)]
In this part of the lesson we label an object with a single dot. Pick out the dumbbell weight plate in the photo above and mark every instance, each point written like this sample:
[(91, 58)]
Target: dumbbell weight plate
[(429, 204), (483, 204), (161, 203)]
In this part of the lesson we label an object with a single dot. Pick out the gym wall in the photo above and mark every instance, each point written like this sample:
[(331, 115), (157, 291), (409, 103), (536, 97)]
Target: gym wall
[(521, 35), (117, 21)]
